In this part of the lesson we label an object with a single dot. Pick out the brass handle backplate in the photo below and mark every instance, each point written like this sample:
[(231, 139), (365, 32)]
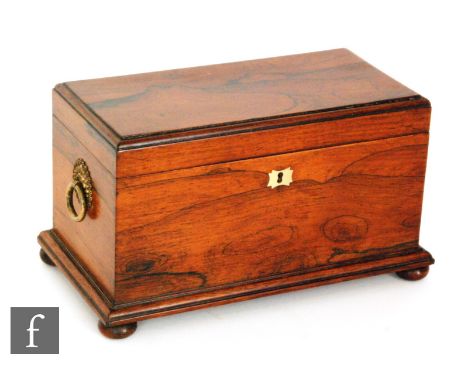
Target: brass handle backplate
[(82, 186)]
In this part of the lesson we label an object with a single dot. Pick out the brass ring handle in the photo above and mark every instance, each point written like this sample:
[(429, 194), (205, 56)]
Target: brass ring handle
[(82, 186), (76, 186)]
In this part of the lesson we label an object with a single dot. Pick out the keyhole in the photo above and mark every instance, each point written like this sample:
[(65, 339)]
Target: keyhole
[(280, 177)]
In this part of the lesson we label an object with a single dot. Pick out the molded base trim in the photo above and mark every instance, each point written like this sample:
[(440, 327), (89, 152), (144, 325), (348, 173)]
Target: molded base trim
[(114, 315)]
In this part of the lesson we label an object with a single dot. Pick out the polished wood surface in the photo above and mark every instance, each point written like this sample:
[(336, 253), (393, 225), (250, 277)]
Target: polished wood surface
[(120, 314), (117, 332), (82, 125), (45, 258), (182, 216), (414, 274), (80, 277), (199, 152), (94, 238), (223, 94), (218, 225)]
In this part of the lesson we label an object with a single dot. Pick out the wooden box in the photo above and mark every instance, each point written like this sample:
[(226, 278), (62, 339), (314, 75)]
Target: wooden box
[(202, 186)]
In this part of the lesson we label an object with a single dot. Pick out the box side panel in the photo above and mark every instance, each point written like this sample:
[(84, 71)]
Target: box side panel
[(86, 134), (91, 241), (212, 227), (282, 139)]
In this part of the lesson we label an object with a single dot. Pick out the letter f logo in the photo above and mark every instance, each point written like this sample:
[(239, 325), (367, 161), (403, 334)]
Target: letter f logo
[(32, 329)]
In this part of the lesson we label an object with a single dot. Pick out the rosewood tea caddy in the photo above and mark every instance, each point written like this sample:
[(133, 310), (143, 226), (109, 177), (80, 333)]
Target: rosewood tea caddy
[(189, 188)]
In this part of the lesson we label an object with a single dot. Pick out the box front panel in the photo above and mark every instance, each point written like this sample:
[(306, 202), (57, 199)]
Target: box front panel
[(208, 227)]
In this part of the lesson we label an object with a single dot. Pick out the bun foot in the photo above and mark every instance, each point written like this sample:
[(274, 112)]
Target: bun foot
[(119, 331), (45, 258), (413, 274)]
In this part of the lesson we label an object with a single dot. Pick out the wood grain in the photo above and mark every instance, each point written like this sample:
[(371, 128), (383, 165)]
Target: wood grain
[(78, 275), (122, 314), (215, 225), (93, 240), (182, 217), (229, 93), (84, 130), (153, 159)]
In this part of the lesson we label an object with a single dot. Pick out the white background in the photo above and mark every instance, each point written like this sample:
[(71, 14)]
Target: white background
[(375, 329)]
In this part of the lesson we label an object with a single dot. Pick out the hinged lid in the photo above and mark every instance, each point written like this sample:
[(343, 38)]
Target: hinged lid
[(186, 104)]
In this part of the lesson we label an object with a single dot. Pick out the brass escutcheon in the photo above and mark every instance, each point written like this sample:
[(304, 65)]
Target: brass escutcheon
[(82, 185)]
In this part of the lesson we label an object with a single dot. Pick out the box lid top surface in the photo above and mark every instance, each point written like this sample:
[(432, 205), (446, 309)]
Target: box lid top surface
[(159, 104)]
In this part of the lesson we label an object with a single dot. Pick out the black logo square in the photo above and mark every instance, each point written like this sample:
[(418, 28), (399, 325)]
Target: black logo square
[(34, 330)]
